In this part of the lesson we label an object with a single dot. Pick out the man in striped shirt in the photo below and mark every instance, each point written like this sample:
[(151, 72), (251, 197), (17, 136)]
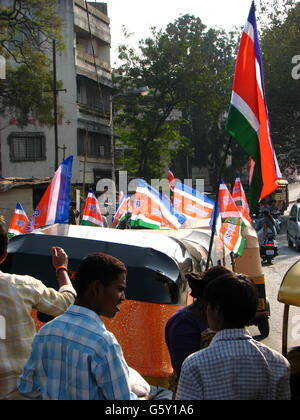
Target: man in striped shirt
[(234, 366), (74, 357)]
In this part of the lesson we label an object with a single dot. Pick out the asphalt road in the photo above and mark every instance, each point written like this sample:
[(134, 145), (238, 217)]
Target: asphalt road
[(273, 277)]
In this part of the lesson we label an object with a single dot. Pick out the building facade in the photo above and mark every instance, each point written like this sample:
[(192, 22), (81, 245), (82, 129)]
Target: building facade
[(85, 129)]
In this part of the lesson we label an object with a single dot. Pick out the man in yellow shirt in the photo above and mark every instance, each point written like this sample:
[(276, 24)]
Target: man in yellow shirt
[(18, 296)]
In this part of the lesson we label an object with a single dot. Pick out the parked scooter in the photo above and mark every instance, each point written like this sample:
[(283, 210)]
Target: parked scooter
[(269, 249)]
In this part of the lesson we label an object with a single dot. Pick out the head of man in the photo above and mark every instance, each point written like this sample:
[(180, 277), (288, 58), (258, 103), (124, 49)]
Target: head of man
[(231, 301), (3, 242), (100, 284)]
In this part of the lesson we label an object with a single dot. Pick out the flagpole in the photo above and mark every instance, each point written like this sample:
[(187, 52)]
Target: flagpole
[(213, 229)]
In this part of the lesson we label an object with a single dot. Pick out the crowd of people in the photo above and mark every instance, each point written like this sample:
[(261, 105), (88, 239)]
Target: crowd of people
[(75, 357)]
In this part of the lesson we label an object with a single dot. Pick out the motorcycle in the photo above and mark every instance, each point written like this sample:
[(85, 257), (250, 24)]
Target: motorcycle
[(269, 249)]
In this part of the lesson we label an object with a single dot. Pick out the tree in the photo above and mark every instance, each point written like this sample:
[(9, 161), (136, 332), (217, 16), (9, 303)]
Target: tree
[(280, 42), (27, 30), (187, 69)]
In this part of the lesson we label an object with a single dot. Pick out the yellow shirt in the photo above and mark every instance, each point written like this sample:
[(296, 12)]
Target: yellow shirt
[(18, 296)]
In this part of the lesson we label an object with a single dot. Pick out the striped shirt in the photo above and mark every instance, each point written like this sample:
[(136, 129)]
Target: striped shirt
[(234, 367), (18, 296), (74, 357)]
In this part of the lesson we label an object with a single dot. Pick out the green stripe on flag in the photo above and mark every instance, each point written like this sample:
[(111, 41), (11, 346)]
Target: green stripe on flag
[(142, 224), (239, 128), (86, 223)]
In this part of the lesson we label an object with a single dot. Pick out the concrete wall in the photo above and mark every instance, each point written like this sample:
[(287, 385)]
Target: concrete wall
[(9, 199)]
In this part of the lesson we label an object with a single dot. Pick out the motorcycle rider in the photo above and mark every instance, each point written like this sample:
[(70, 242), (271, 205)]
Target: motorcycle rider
[(267, 225)]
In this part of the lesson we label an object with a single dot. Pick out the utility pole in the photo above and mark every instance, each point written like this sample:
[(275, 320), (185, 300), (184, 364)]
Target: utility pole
[(55, 93)]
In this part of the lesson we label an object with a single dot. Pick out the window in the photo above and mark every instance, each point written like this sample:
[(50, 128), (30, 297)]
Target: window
[(27, 146), (97, 145)]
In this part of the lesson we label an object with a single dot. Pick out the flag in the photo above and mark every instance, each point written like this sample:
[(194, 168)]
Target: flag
[(122, 211), (248, 120), (18, 222), (152, 211), (91, 213), (192, 203), (171, 179), (54, 206), (232, 227), (240, 199)]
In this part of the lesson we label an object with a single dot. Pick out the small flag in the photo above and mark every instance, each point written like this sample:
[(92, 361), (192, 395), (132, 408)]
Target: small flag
[(18, 222), (192, 203), (151, 211), (91, 213), (122, 211), (231, 230), (240, 199), (54, 206), (171, 179)]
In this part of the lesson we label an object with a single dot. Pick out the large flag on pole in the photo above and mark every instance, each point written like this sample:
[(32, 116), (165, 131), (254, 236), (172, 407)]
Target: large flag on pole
[(18, 222), (248, 120), (232, 226), (240, 199), (91, 213), (54, 206), (192, 203)]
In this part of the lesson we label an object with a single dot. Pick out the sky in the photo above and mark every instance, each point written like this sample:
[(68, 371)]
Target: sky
[(139, 15)]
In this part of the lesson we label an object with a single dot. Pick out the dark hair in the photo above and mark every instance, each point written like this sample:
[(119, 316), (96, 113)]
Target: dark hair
[(97, 266), (236, 296), (3, 240), (198, 281)]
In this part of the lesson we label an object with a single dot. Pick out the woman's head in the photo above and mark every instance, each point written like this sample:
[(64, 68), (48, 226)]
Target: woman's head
[(198, 281)]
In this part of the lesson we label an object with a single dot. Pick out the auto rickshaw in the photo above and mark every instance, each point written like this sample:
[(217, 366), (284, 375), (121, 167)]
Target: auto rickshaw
[(157, 262), (280, 195), (289, 295)]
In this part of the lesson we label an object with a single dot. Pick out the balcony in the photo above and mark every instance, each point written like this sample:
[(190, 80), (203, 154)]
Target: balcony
[(85, 66), (99, 21)]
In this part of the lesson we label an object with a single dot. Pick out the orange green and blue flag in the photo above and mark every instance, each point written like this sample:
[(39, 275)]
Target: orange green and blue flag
[(122, 211), (18, 222), (91, 213), (231, 226), (248, 120), (240, 199), (152, 211), (192, 203)]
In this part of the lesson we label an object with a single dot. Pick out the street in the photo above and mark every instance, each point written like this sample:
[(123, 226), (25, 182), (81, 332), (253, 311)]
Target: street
[(273, 277)]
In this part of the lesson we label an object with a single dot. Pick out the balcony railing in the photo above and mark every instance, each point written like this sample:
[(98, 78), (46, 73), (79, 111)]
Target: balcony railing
[(89, 59)]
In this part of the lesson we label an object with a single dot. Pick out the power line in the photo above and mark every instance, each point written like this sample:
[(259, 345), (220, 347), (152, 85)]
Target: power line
[(95, 64)]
